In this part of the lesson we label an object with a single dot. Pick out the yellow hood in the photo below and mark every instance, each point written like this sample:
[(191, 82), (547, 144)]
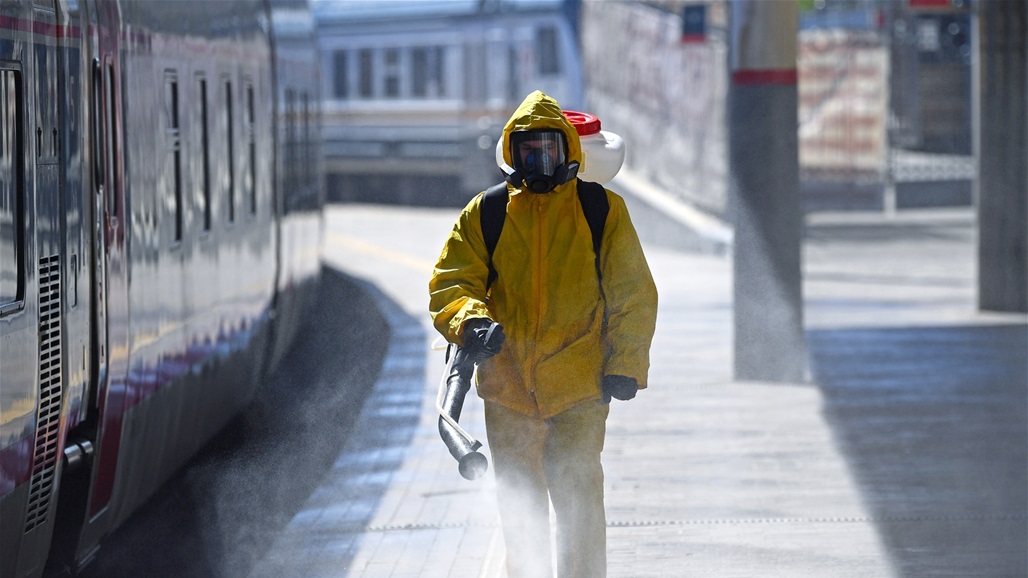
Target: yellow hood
[(541, 111)]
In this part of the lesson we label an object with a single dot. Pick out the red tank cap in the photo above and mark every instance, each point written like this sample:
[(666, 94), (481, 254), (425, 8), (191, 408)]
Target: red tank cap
[(585, 124)]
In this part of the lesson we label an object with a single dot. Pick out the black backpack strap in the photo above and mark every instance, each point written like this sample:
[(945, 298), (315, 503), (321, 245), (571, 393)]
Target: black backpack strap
[(492, 214), (593, 198)]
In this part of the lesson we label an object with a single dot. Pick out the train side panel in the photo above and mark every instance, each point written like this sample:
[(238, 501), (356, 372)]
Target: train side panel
[(161, 198), (200, 232)]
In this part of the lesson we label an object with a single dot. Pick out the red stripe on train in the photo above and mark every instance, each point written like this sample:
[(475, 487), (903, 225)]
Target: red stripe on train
[(41, 28)]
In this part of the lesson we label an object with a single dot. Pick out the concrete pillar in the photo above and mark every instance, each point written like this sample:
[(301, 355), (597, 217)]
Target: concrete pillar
[(764, 192), (1003, 155)]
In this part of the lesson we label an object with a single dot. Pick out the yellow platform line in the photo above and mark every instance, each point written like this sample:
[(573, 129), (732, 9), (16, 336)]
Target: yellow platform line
[(340, 240)]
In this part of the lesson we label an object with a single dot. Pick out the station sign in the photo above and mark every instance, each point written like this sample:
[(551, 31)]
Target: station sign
[(694, 24)]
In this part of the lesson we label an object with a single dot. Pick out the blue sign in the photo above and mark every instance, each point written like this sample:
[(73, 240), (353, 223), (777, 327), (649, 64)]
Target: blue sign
[(694, 23)]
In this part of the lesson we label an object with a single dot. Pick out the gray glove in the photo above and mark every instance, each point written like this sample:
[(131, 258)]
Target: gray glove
[(483, 338), (619, 387)]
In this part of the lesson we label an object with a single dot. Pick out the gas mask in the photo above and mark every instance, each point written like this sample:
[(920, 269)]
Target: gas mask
[(540, 160)]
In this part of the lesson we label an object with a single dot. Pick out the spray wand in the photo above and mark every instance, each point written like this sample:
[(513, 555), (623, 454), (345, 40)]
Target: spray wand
[(453, 387)]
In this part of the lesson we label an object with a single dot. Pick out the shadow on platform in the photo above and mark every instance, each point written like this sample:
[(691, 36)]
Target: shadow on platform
[(933, 422), (222, 512)]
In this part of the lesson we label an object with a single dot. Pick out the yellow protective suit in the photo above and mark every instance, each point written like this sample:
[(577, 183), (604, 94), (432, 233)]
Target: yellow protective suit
[(563, 333)]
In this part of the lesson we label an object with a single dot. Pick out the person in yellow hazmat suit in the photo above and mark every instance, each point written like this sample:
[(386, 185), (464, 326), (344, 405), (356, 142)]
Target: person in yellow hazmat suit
[(576, 331)]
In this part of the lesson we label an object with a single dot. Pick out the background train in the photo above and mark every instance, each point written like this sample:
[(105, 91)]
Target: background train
[(415, 94), (160, 223)]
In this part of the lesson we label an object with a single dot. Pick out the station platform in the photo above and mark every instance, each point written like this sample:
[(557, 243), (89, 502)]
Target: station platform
[(904, 454)]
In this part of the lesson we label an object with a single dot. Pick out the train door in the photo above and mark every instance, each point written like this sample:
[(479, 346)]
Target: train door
[(110, 266), (73, 112)]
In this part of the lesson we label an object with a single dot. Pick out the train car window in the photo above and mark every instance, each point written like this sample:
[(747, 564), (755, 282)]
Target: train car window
[(419, 76), (251, 174), (341, 80), (308, 157), (367, 73), (290, 150), (391, 87), (112, 139), (427, 79), (438, 71), (12, 231), (546, 42), (97, 128), (173, 143), (230, 183), (205, 178), (514, 91)]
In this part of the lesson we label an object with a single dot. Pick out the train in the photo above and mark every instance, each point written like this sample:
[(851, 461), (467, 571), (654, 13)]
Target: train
[(161, 220), (415, 94)]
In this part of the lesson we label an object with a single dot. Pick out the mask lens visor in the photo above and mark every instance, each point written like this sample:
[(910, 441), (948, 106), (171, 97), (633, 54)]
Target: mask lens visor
[(538, 152)]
